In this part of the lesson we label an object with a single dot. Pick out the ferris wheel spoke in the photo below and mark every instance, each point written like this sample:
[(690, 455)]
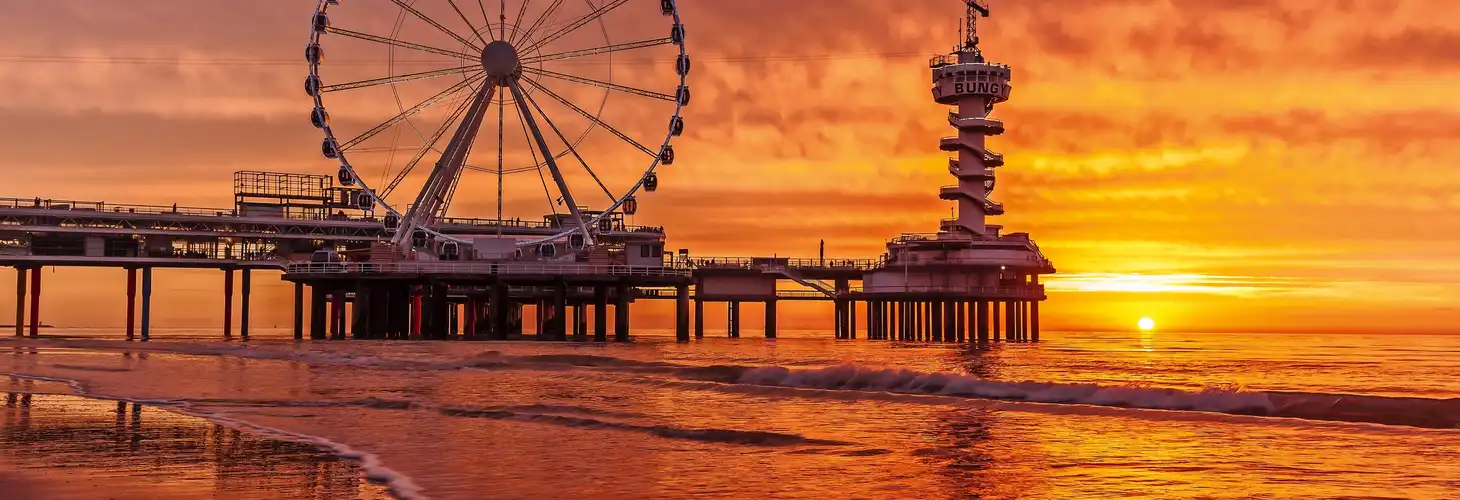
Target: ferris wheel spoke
[(552, 162), (467, 21), (573, 26), (569, 144), (399, 78), (547, 16), (622, 136), (403, 115), (537, 165), (407, 7), (426, 149), (598, 50), (501, 159), (434, 194), (486, 20), (601, 84), (400, 43)]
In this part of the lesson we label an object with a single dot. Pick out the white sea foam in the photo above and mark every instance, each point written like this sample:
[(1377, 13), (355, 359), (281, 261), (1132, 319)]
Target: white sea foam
[(947, 384)]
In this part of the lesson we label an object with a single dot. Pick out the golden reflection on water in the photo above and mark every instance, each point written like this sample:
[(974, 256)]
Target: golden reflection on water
[(71, 447)]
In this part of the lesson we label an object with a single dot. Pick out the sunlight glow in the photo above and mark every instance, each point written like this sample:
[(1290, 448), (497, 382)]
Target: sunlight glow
[(1146, 324)]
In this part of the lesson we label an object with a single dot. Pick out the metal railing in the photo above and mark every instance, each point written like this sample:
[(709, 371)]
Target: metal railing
[(119, 208), (1002, 291), (787, 262), (480, 268), (97, 206)]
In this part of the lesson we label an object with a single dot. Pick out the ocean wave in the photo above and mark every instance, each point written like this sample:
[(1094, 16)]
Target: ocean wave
[(726, 436), (1414, 412), (946, 384)]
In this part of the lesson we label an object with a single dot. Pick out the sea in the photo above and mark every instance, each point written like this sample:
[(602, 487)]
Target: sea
[(1078, 415)]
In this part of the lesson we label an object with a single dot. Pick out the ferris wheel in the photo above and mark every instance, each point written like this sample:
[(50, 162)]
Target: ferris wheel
[(565, 107)]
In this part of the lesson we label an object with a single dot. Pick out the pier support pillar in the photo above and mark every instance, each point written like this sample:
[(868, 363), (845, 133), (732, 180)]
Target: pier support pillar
[(416, 312), (949, 319), (228, 304), (925, 313), (960, 321), (146, 304), (981, 311), (852, 319), (560, 311), (838, 318), (912, 320), (243, 305), (582, 316), (733, 318), (881, 312), (298, 310), (470, 309), (362, 316), (872, 312), (770, 319), (600, 314), (35, 302), (1010, 323), (337, 315), (699, 319), (1034, 321), (20, 285), (899, 329), (1023, 320), (621, 314), (681, 313), (500, 312), (453, 320), (318, 313), (994, 320), (131, 304), (940, 320), (909, 321)]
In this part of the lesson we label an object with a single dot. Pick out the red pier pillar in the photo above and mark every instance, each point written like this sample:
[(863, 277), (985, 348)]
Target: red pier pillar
[(416, 314), (470, 309)]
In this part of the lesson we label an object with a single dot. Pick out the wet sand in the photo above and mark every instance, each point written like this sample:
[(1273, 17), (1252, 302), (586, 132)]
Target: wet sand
[(68, 447)]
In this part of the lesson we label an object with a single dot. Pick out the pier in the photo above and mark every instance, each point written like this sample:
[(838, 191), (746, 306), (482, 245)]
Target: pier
[(383, 263)]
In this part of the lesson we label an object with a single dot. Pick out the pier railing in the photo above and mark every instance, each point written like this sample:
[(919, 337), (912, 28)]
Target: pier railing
[(97, 206), (480, 268), (782, 262), (977, 291)]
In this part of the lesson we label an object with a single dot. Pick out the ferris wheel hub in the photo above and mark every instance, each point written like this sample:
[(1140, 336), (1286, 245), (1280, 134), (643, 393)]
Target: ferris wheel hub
[(500, 60)]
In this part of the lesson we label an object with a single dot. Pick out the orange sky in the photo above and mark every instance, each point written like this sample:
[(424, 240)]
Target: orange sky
[(1218, 165)]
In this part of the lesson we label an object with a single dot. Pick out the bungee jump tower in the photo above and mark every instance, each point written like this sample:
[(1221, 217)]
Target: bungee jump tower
[(969, 280)]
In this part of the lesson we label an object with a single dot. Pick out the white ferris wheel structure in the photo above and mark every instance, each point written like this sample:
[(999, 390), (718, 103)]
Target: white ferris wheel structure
[(497, 108)]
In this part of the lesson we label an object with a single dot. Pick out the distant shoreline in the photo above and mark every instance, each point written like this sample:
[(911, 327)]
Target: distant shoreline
[(27, 326)]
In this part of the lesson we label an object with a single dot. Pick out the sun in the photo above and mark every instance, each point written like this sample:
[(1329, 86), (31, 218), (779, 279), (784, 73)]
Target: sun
[(1146, 324)]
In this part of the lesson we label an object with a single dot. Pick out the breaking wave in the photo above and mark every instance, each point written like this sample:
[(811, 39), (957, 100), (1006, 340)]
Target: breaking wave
[(1415, 412)]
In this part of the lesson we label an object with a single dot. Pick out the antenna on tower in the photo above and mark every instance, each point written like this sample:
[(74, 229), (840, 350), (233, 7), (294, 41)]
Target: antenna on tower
[(976, 9)]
